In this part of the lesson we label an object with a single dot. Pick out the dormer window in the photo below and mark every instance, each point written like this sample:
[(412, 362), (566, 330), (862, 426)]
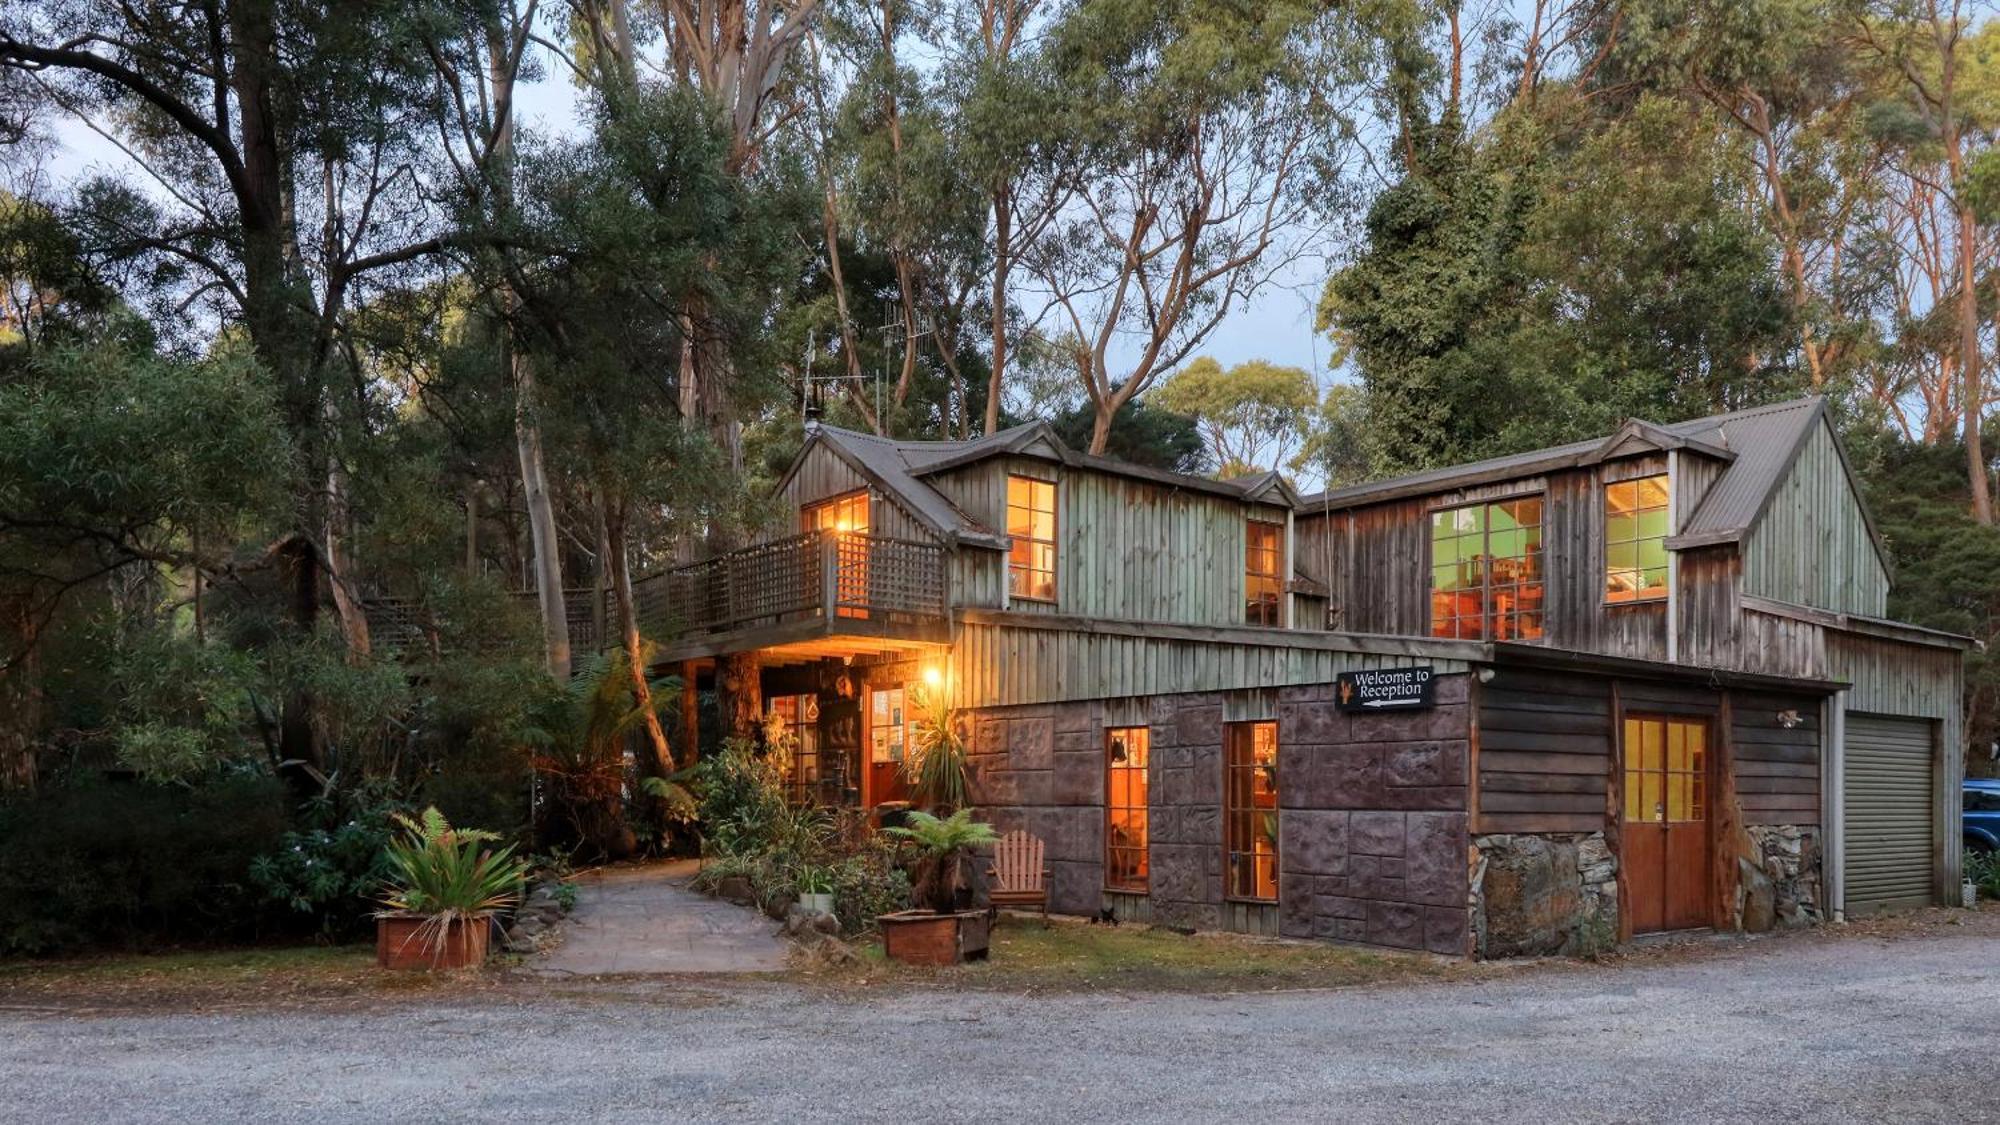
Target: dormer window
[(1031, 524), (1486, 571), (1637, 521), (1263, 556)]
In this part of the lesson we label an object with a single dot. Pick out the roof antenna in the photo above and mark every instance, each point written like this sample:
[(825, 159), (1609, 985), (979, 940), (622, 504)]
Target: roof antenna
[(810, 408)]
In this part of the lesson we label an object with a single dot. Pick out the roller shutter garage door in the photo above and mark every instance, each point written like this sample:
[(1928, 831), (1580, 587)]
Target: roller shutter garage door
[(1889, 796)]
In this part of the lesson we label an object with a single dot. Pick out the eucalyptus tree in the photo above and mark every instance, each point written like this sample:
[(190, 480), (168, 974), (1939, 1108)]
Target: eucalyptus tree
[(281, 181), (1209, 143)]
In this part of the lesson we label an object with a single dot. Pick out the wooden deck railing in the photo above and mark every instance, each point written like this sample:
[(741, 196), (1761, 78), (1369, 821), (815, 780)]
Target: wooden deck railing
[(817, 574)]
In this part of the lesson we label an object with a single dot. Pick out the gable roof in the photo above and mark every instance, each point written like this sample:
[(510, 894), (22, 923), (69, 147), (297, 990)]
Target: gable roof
[(1759, 445), (898, 469)]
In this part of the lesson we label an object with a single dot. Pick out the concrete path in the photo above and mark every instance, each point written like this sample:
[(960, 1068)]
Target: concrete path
[(645, 920)]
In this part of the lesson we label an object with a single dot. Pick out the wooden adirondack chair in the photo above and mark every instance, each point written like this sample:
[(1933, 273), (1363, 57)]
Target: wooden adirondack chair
[(1017, 877)]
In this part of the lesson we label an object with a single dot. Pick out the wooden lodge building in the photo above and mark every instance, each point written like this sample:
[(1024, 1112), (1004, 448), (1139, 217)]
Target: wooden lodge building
[(1533, 704)]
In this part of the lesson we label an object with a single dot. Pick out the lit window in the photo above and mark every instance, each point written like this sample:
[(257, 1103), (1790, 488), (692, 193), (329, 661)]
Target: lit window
[(794, 740), (1250, 811), (847, 515), (842, 513), (889, 726), (1031, 524), (1665, 766), (1125, 751), (1263, 559), (1486, 571), (1636, 524)]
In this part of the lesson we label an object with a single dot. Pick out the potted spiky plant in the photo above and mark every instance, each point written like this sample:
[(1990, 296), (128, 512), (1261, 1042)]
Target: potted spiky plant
[(941, 934), (444, 886)]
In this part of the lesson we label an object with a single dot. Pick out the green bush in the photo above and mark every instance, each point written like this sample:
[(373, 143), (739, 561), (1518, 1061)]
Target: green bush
[(327, 875), (133, 864), (743, 807)]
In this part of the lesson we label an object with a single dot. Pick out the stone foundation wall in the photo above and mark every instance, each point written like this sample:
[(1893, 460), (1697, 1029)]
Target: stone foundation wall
[(1372, 821), (1783, 888), (1534, 895)]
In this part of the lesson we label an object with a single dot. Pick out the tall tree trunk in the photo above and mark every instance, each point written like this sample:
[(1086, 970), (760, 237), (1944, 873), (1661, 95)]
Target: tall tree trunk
[(541, 520), (1003, 261), (1974, 372), (652, 755), (542, 534), (20, 694)]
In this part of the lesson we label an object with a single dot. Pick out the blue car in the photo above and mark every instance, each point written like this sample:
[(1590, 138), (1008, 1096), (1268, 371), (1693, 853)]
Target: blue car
[(1982, 814)]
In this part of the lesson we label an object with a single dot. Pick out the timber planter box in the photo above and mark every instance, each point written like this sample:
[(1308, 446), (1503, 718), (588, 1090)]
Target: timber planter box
[(406, 941), (921, 937)]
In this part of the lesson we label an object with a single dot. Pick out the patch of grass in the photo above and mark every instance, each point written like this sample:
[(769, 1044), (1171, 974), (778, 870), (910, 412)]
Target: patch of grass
[(273, 975), (1065, 956)]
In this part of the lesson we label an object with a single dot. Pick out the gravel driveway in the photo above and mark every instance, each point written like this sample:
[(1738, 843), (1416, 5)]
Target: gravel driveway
[(1849, 1028)]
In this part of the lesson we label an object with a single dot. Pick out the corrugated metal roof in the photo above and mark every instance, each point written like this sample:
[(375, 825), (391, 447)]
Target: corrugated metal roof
[(1764, 440)]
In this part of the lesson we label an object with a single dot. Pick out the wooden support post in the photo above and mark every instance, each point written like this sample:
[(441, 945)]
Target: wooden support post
[(1727, 838)]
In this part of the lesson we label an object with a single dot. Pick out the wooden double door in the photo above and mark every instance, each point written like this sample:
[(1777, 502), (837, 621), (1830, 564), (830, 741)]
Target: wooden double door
[(1664, 839)]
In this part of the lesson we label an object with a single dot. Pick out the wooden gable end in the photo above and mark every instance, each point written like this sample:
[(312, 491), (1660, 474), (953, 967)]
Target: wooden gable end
[(821, 473), (1814, 543)]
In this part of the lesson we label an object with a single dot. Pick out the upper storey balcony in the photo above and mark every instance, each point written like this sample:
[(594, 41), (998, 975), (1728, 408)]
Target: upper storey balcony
[(819, 593)]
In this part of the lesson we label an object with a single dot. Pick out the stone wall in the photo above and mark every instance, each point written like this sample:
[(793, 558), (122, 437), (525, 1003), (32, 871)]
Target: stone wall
[(1783, 887), (1533, 895), (1372, 823)]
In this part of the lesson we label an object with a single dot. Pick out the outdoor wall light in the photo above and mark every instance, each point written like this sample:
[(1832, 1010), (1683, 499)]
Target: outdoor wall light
[(1788, 719)]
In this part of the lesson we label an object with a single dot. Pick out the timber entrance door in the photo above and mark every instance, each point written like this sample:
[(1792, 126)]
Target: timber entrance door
[(1664, 839)]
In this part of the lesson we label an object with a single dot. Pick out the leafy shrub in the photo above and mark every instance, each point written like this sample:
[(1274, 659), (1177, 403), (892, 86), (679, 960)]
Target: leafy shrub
[(1983, 868), (134, 864), (743, 807), (867, 883), (329, 873)]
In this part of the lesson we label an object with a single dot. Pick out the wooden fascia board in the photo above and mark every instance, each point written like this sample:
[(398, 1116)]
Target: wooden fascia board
[(1506, 653), (1862, 626), (1374, 644)]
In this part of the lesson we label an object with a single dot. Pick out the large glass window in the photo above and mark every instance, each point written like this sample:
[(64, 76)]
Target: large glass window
[(847, 515), (1263, 562), (1666, 762), (1125, 754), (1486, 571), (1250, 810), (1637, 521), (1031, 524), (794, 739)]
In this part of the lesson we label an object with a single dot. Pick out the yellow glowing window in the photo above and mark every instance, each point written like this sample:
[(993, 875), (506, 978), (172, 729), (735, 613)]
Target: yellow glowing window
[(1666, 764), (1250, 811), (1263, 558), (842, 513), (1031, 524), (1125, 753), (1637, 521)]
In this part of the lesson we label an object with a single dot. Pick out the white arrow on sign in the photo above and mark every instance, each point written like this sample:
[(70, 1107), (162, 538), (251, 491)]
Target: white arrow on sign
[(1393, 702)]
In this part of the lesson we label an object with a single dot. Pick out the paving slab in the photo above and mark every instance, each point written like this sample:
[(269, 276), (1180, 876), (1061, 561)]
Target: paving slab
[(644, 919)]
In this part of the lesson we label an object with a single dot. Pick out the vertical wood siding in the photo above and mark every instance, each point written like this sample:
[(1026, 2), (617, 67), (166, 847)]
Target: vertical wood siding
[(1812, 546), (1005, 665), (1127, 550)]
